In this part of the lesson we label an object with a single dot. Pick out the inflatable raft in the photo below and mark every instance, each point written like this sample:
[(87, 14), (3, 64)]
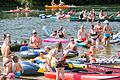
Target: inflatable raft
[(55, 40), (28, 54), (30, 68)]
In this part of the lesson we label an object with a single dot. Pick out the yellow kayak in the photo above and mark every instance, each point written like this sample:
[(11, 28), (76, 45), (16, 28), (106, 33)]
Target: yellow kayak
[(57, 6)]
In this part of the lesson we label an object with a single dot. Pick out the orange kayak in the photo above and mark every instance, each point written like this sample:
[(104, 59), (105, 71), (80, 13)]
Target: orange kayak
[(57, 6)]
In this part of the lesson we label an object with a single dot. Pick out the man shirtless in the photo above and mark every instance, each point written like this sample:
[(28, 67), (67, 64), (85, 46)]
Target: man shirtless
[(35, 41), (82, 36), (72, 47)]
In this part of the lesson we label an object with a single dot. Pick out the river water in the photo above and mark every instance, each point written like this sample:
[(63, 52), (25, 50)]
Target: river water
[(20, 26)]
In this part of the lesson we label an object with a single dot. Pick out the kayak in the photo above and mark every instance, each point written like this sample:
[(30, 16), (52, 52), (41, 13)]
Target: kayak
[(102, 68), (75, 18), (16, 11), (55, 40), (30, 69), (57, 6), (82, 76)]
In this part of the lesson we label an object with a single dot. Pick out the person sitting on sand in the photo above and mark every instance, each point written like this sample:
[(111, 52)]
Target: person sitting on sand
[(82, 35), (102, 15), (35, 41), (42, 62), (72, 46), (107, 32), (17, 68), (54, 34)]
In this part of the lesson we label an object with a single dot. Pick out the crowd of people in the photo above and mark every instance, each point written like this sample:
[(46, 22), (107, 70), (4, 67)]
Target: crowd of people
[(97, 35)]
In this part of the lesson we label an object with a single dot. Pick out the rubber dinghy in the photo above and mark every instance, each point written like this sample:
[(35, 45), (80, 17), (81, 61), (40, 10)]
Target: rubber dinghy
[(30, 68), (80, 43), (28, 54)]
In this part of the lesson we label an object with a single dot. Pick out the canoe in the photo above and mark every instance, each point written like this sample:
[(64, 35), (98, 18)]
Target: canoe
[(19, 11), (75, 18), (57, 7), (55, 40), (30, 69)]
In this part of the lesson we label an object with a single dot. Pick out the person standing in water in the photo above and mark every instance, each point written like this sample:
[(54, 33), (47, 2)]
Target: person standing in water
[(5, 50), (35, 41), (107, 32), (82, 35), (59, 58)]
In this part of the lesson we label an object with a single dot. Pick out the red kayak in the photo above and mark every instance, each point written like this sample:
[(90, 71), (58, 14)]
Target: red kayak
[(19, 11), (83, 76), (102, 68)]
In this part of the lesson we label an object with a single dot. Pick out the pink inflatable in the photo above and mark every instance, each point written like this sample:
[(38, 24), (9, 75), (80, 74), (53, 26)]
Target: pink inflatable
[(55, 40)]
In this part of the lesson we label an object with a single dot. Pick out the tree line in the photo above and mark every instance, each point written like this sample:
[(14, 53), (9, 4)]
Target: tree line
[(48, 2)]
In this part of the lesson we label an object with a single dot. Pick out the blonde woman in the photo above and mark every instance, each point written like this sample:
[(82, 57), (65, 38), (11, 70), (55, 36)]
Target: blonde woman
[(5, 50)]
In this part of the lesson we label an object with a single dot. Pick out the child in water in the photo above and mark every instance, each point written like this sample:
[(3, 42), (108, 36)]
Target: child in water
[(17, 69)]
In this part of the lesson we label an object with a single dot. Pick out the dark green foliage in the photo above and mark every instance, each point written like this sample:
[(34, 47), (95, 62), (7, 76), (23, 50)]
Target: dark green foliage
[(68, 2)]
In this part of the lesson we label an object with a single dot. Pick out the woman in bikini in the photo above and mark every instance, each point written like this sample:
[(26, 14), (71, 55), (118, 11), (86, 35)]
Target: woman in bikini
[(59, 58)]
